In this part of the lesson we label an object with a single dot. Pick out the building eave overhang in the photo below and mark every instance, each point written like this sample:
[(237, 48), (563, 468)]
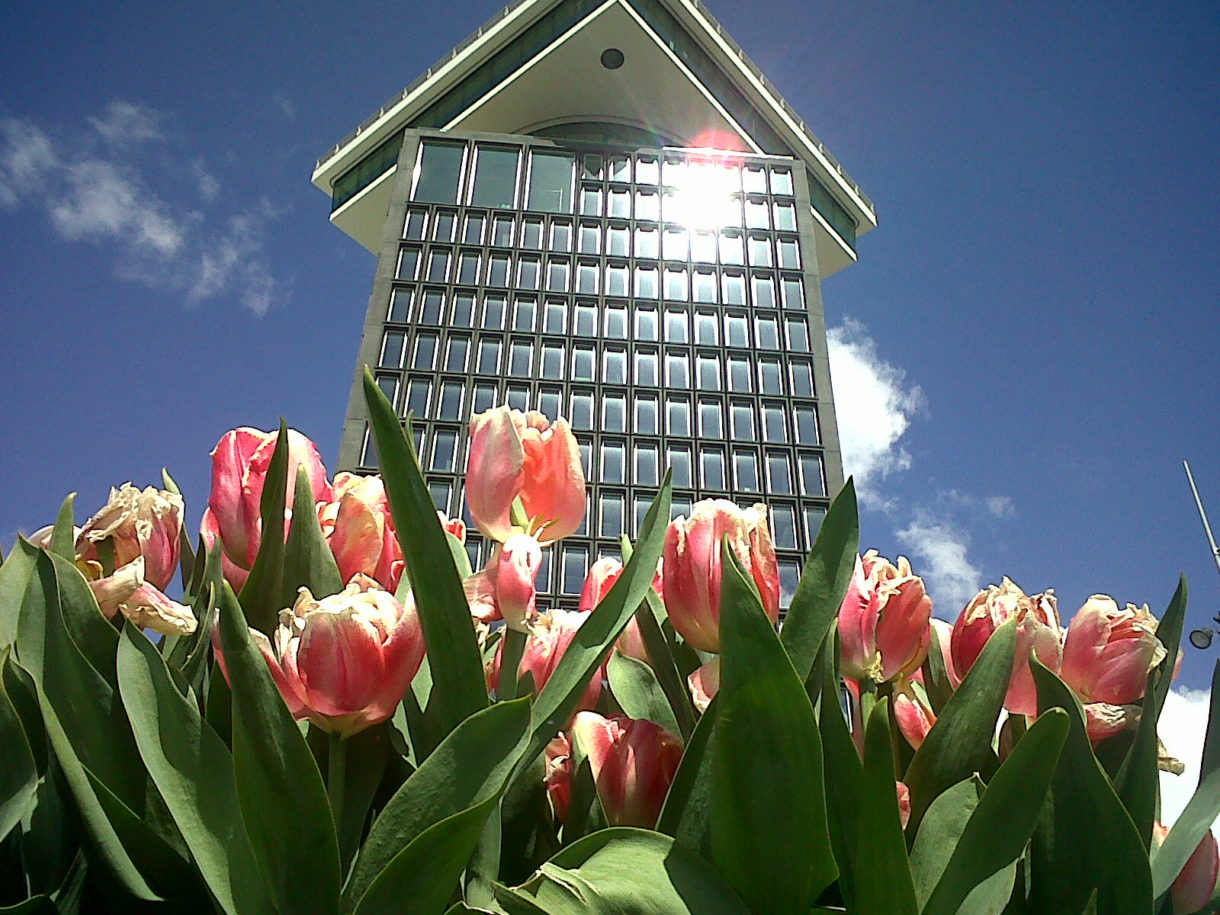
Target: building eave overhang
[(514, 19)]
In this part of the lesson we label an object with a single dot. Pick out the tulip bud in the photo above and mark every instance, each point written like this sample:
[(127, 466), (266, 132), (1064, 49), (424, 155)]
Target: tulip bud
[(1037, 631), (240, 462), (912, 711), (134, 522), (1109, 652), (633, 762), (360, 532), (548, 637), (692, 573), (883, 620), (522, 455), (904, 803), (1194, 886), (345, 661)]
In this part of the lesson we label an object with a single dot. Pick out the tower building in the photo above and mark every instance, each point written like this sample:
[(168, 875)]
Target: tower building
[(602, 210)]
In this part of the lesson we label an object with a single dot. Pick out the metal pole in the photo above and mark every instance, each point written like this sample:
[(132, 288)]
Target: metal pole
[(1203, 516)]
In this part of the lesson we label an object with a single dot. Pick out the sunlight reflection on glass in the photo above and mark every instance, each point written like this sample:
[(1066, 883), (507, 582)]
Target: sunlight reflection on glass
[(704, 195)]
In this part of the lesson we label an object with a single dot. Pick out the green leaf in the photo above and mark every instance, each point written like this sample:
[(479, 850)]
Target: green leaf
[(686, 815), (279, 788), (426, 872), (308, 561), (1211, 741), (264, 588), (846, 784), (367, 754), (959, 744), (469, 767), (824, 581), (63, 534), (18, 770), (767, 789), (635, 687), (444, 612), (625, 870), (1169, 633), (1084, 839), (1195, 820), (880, 872), (91, 633), (999, 828), (661, 659), (184, 539), (194, 773), (15, 576), (936, 681)]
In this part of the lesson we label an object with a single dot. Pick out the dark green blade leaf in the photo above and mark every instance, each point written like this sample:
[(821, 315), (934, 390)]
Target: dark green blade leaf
[(1006, 814), (14, 579), (557, 701), (444, 613), (1211, 742), (470, 766), (367, 754), (635, 687), (1084, 839), (63, 534), (687, 813), (624, 870), (846, 784), (264, 588), (194, 773), (90, 632), (279, 789), (935, 676), (767, 790), (426, 872), (308, 561), (1169, 632), (187, 555), (18, 771), (959, 744), (815, 605), (880, 872), (661, 659)]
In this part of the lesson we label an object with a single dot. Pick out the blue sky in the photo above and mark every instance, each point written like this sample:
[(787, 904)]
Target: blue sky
[(1030, 335)]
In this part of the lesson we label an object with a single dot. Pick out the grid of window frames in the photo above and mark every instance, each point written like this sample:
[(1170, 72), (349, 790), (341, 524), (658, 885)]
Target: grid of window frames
[(574, 284)]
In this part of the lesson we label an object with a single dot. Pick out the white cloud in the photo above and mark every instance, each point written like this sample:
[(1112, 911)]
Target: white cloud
[(938, 548), (873, 408), (1000, 506), (287, 107), (1182, 726), (124, 124), (110, 186)]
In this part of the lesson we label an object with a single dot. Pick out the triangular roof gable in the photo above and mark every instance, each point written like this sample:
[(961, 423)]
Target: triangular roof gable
[(537, 63)]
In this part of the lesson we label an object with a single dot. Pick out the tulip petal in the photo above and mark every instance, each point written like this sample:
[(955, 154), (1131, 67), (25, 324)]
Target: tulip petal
[(495, 472)]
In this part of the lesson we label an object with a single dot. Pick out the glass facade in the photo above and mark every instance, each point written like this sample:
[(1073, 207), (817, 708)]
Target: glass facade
[(657, 299)]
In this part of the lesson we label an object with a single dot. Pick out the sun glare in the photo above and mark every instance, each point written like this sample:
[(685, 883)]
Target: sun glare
[(705, 192)]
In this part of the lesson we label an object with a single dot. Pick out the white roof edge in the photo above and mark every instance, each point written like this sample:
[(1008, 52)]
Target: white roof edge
[(514, 18)]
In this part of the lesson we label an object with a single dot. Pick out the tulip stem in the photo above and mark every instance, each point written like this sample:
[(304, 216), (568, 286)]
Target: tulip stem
[(510, 663), (336, 775)]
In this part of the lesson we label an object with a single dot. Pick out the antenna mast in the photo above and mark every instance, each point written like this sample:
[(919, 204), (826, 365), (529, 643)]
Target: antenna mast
[(1202, 638)]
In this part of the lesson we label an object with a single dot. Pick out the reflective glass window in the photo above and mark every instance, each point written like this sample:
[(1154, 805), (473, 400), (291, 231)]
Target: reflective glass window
[(708, 369), (524, 310), (707, 328), (618, 168), (561, 235), (646, 414), (679, 460), (552, 361), (642, 504), (502, 231), (495, 176), (802, 379), (731, 248), (438, 265), (760, 251), (472, 231), (677, 370), (616, 279), (550, 183), (456, 352), (583, 362), (486, 396), (783, 526), (781, 181), (675, 284), (497, 269), (806, 419), (616, 322), (741, 379), (450, 406), (756, 213), (557, 275), (527, 273), (592, 166), (754, 179), (612, 464), (763, 290), (585, 320), (703, 247), (610, 523), (774, 425), (736, 329), (417, 396), (619, 202), (710, 424), (439, 172), (468, 267), (647, 242), (734, 288), (789, 253), (614, 366), (677, 243), (742, 415), (391, 348), (590, 201), (550, 402), (587, 275), (645, 323), (785, 216), (493, 312), (432, 306), (520, 359), (794, 293), (614, 412), (444, 449), (646, 284), (677, 416), (440, 492), (556, 318), (711, 467), (413, 226), (531, 233), (646, 367), (705, 286), (582, 410), (779, 474), (443, 224), (770, 377), (425, 351), (812, 481), (676, 326), (400, 305), (517, 396), (575, 567), (463, 309), (408, 263), (745, 470), (647, 457), (489, 357), (767, 328), (618, 240), (590, 238), (647, 170)]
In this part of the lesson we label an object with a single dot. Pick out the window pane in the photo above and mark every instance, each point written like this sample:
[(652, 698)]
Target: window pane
[(619, 202), (556, 319), (520, 359), (783, 526), (486, 396), (531, 233), (495, 177), (417, 397), (614, 413), (754, 179), (745, 470), (438, 265), (789, 253), (710, 425), (741, 380), (781, 181), (587, 276), (444, 449), (616, 279), (794, 294), (734, 289), (618, 240), (612, 464), (590, 201), (527, 273), (425, 351), (743, 422), (677, 243), (408, 263), (731, 248), (518, 397), (703, 247), (550, 403), (763, 290), (646, 368), (493, 312), (551, 182), (646, 460), (582, 411), (468, 267), (709, 373), (770, 378), (646, 415), (497, 270), (575, 561), (552, 363), (524, 309), (557, 275), (647, 243), (440, 172), (463, 309), (785, 216), (779, 475), (561, 235), (806, 425), (646, 323), (611, 522), (812, 480), (647, 170), (679, 460), (590, 238), (677, 371), (677, 416), (676, 326), (767, 327), (391, 349), (647, 285), (413, 227), (400, 305), (736, 332), (760, 251), (489, 357), (614, 366), (455, 354), (451, 400), (502, 231), (582, 363), (756, 214), (705, 286), (586, 320), (432, 306), (712, 469), (802, 379), (774, 427), (472, 234)]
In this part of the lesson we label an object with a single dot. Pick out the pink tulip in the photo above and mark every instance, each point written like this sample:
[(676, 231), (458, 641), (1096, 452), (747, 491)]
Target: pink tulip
[(1037, 631), (360, 532), (704, 683), (1108, 652), (601, 578), (239, 472), (904, 803), (455, 526), (126, 591), (883, 621), (504, 590), (523, 455), (692, 573), (549, 636), (633, 762), (559, 776), (134, 523), (345, 661), (912, 711), (1193, 888)]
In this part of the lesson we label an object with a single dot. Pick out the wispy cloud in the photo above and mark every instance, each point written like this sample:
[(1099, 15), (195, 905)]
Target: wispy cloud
[(1181, 727), (286, 106), (168, 229), (875, 406)]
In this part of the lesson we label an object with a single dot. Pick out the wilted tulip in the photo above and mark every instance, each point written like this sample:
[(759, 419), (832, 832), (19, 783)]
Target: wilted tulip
[(127, 592), (523, 455), (360, 532), (548, 637), (505, 588), (691, 566), (1109, 652), (883, 620), (1037, 631), (1193, 888), (136, 523), (345, 661), (240, 462), (633, 762)]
